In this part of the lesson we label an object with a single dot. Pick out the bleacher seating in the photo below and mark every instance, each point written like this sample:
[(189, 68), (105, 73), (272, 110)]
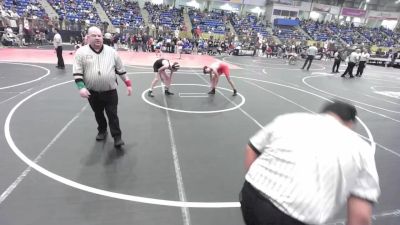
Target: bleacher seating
[(164, 15), (392, 35), (376, 35), (25, 7), (123, 12), (288, 33), (76, 10), (248, 25), (318, 32), (208, 22), (348, 34)]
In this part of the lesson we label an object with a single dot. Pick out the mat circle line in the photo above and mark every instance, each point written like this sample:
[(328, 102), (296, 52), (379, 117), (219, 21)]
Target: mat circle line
[(115, 195), (26, 82), (278, 68), (193, 111)]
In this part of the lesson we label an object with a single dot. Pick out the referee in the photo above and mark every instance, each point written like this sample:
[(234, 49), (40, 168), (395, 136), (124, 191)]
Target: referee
[(354, 58), (302, 168), (311, 52), (364, 57), (57, 42), (95, 71)]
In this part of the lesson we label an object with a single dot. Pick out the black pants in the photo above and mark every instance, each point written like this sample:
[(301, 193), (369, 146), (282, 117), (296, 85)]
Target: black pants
[(309, 59), (60, 60), (258, 210), (336, 65), (360, 69), (108, 101), (349, 69)]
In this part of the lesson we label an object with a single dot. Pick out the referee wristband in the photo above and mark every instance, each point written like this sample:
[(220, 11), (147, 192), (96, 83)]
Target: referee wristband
[(128, 83), (80, 85)]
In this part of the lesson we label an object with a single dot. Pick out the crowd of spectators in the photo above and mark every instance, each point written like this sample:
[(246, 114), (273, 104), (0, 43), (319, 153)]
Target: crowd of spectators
[(285, 33), (123, 13), (375, 35), (347, 33), (20, 24), (317, 31), (23, 8), (72, 12), (392, 35), (166, 21), (248, 25), (164, 15), (213, 21)]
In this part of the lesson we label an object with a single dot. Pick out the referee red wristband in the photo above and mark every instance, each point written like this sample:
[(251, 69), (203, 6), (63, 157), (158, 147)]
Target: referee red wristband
[(128, 83)]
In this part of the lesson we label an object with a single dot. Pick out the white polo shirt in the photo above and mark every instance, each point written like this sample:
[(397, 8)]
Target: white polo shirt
[(364, 56), (98, 70), (354, 57), (312, 50), (310, 164), (57, 40)]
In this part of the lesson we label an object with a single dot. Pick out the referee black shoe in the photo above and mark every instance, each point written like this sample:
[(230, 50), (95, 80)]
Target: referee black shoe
[(118, 142), (212, 92), (150, 93), (168, 93), (101, 136)]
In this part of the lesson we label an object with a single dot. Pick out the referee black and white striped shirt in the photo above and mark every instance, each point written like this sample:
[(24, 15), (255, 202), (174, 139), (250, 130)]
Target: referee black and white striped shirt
[(98, 69), (312, 181)]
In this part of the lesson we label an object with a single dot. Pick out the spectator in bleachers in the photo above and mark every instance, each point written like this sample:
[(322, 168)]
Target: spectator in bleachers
[(107, 39)]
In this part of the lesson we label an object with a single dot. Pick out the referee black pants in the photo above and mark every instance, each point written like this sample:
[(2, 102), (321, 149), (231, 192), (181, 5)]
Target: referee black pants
[(335, 68), (309, 60), (349, 69), (106, 101), (60, 60), (360, 69), (258, 210)]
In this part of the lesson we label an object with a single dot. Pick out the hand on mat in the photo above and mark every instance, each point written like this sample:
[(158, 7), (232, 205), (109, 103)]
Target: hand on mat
[(129, 90), (84, 93)]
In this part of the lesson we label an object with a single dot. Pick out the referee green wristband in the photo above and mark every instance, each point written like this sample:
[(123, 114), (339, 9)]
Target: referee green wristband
[(80, 85)]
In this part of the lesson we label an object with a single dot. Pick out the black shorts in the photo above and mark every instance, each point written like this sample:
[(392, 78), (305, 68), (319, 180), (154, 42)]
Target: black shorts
[(157, 65)]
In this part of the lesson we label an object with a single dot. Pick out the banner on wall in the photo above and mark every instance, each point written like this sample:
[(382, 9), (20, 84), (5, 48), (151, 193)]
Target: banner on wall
[(335, 10), (383, 15), (233, 1), (254, 2), (321, 7), (325, 8), (353, 12)]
